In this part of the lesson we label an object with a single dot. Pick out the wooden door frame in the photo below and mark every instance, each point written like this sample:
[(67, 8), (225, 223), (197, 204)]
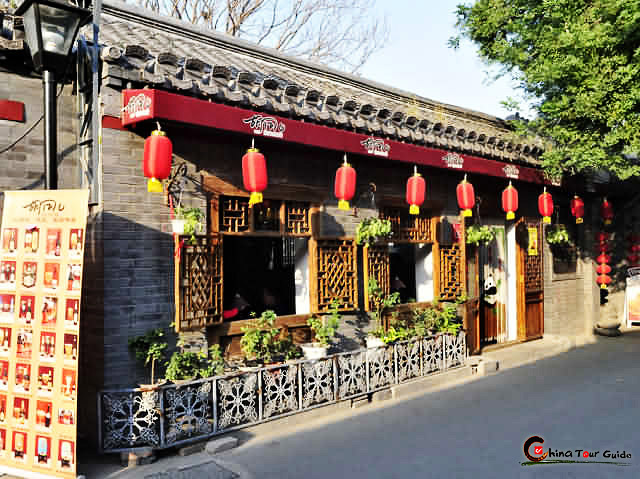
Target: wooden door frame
[(521, 293)]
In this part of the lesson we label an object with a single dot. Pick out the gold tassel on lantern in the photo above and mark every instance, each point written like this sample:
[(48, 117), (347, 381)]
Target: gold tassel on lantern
[(343, 205), (414, 210), (256, 197), (154, 186)]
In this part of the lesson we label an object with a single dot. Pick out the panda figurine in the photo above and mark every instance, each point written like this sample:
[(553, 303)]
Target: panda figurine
[(490, 290)]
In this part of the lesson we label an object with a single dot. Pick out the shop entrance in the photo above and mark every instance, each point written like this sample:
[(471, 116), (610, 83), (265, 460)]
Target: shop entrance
[(530, 300)]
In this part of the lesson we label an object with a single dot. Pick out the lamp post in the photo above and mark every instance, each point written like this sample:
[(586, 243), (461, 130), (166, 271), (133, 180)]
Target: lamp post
[(50, 29)]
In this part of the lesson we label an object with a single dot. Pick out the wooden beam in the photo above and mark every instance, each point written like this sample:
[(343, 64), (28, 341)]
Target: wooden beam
[(233, 328)]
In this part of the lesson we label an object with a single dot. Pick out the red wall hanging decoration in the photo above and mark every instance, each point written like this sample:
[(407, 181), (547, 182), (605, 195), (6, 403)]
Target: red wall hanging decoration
[(577, 209), (416, 188), (545, 206), (510, 201), (158, 151), (466, 197), (254, 174), (345, 185), (603, 280), (603, 269), (606, 211)]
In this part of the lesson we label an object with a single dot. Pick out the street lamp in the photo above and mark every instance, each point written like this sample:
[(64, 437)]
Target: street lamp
[(50, 29)]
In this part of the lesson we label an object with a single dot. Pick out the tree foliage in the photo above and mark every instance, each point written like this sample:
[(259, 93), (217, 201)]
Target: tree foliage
[(339, 33), (578, 61)]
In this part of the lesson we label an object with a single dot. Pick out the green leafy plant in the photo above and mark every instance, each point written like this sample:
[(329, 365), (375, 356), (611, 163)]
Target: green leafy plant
[(193, 217), (425, 321), (558, 235), (325, 328), (262, 340), (149, 348), (479, 234), (395, 333), (372, 229), (193, 365), (448, 319), (381, 303)]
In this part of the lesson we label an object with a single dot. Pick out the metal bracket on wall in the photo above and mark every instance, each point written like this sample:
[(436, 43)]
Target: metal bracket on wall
[(176, 184)]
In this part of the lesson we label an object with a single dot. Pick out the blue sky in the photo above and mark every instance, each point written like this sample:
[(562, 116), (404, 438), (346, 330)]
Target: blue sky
[(417, 58)]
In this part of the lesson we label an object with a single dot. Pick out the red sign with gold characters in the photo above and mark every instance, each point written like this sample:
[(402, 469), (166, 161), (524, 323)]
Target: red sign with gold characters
[(41, 258)]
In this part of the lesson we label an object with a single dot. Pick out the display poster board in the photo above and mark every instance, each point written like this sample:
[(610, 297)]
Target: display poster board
[(41, 258), (632, 297), (532, 250)]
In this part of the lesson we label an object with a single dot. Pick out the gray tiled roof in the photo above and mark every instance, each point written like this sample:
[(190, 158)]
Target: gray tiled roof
[(140, 48)]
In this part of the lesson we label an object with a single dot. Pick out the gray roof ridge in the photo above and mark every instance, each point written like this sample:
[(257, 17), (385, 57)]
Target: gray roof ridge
[(134, 14)]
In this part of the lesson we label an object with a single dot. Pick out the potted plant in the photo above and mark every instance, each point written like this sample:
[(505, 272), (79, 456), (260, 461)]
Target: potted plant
[(372, 229), (324, 329), (448, 322), (149, 348), (558, 235), (425, 321), (381, 304), (188, 221), (263, 342), (475, 234), (186, 365)]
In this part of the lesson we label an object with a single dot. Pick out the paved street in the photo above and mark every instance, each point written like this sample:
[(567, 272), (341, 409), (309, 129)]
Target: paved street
[(584, 399)]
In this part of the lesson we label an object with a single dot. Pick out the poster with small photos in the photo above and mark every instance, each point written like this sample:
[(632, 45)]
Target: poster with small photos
[(41, 274)]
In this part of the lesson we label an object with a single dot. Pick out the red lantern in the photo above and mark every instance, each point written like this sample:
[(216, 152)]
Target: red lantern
[(606, 211), (545, 206), (632, 258), (510, 201), (603, 248), (603, 258), (466, 196), (157, 159), (635, 248), (416, 187), (603, 269), (577, 209), (254, 174), (601, 236), (345, 185), (603, 280)]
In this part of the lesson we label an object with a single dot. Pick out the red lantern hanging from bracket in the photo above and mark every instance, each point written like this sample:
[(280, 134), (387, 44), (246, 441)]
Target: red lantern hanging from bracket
[(510, 201), (577, 209), (601, 236), (603, 258), (416, 188), (158, 151), (606, 211), (603, 269), (254, 174), (345, 184), (466, 197), (545, 206), (603, 280)]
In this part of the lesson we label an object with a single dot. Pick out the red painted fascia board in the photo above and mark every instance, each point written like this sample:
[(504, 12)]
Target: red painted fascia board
[(11, 110), (139, 105)]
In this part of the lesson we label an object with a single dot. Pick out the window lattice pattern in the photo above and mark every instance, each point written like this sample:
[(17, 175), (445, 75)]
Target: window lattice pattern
[(450, 272), (377, 266), (406, 227), (533, 265), (234, 215), (201, 292), (337, 274), (297, 217)]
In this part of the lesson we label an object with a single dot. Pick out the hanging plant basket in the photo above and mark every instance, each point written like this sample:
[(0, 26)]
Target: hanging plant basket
[(178, 226), (476, 235), (558, 235), (371, 230)]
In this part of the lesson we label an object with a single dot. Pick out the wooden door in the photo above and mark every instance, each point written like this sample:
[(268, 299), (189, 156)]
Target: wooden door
[(472, 306), (530, 285)]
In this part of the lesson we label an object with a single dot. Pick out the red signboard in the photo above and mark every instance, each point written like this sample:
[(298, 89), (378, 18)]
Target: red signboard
[(139, 105)]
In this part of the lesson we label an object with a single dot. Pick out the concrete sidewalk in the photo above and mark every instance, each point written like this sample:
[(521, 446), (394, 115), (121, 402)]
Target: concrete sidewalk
[(202, 464)]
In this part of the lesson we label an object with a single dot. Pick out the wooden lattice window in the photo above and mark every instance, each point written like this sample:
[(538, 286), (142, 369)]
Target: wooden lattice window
[(234, 214), (406, 227), (297, 219), (334, 274), (449, 267), (533, 264), (376, 265), (199, 273)]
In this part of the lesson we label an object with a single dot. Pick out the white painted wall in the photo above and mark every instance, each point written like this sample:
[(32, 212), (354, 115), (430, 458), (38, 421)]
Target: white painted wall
[(303, 303), (512, 291), (424, 272)]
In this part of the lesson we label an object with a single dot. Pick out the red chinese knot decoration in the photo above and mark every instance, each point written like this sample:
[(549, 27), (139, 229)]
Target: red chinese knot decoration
[(254, 174), (416, 187), (603, 258), (158, 151), (577, 209), (466, 196), (510, 201), (606, 211), (545, 206), (345, 185)]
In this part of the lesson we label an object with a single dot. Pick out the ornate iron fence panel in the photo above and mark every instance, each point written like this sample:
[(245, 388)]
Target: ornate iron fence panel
[(174, 414)]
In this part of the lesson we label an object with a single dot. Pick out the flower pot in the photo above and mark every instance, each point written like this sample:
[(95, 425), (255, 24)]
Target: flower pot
[(374, 342), (178, 226), (314, 350)]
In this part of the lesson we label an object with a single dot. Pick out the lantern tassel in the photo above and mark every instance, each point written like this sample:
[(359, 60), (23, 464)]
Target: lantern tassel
[(154, 186), (343, 205), (579, 221), (511, 215), (607, 222), (546, 220), (467, 213), (414, 210), (603, 286), (256, 197)]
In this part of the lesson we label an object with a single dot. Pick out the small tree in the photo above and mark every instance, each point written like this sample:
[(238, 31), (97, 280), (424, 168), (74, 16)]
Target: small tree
[(149, 347)]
